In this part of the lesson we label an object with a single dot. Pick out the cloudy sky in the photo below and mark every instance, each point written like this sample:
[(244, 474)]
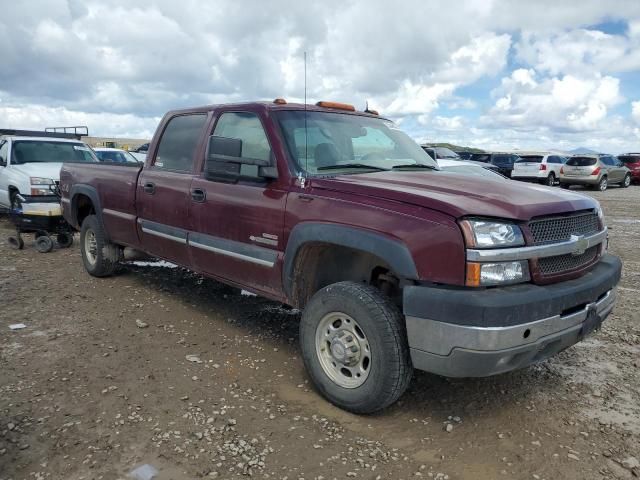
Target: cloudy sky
[(487, 73)]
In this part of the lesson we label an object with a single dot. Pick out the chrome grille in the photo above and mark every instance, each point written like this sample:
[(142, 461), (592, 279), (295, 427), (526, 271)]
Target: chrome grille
[(560, 229), (565, 263)]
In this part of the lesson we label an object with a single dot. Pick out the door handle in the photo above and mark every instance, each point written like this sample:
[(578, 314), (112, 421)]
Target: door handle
[(198, 195), (149, 188)]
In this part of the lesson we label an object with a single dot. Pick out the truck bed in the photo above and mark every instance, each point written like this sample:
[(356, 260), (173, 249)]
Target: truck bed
[(114, 189)]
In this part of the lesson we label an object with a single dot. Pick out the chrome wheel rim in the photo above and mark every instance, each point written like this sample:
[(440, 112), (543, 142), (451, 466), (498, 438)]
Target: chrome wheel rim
[(90, 247), (603, 184), (627, 181), (343, 350), (551, 180)]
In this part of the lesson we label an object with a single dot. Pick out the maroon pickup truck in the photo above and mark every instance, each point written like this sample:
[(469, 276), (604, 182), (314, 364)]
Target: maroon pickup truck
[(396, 264)]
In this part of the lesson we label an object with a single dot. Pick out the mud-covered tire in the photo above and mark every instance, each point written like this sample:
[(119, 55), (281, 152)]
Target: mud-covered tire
[(626, 182), (65, 240), (44, 244), (100, 257), (382, 328)]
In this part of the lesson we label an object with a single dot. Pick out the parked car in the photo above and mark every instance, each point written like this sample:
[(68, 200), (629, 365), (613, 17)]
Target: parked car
[(30, 164), (471, 168), (541, 167), (395, 264), (144, 148), (597, 171), (464, 155), (114, 155), (632, 162), (504, 161), (441, 152)]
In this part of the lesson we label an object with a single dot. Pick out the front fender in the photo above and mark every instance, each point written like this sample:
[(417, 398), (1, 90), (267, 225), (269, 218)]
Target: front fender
[(393, 252)]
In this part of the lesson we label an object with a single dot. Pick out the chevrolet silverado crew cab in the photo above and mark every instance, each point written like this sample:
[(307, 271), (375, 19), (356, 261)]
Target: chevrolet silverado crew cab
[(30, 162), (395, 263)]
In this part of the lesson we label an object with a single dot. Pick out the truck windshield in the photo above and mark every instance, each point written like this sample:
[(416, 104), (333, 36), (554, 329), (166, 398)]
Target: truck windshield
[(29, 151), (333, 140)]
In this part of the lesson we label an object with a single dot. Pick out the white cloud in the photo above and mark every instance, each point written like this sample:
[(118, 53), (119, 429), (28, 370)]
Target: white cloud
[(635, 111), (565, 103)]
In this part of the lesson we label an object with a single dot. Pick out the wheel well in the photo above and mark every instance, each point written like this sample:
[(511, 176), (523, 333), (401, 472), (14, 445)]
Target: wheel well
[(320, 264), (83, 207)]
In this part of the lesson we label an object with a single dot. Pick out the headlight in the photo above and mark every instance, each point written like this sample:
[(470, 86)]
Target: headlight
[(600, 215), (501, 273), (490, 234), (41, 181), (41, 186)]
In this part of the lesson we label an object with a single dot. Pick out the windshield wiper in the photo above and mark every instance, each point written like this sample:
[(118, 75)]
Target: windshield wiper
[(340, 166), (415, 165)]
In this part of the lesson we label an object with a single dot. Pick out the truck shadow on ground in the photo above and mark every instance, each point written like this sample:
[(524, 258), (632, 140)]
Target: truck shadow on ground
[(428, 395)]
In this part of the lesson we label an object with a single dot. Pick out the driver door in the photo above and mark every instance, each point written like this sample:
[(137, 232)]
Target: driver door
[(237, 228), (4, 178)]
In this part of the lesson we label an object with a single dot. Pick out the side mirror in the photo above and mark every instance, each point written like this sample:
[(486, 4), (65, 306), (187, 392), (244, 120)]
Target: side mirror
[(224, 162)]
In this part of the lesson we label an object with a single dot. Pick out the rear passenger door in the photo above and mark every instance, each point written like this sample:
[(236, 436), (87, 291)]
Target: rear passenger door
[(237, 227), (613, 171), (163, 191)]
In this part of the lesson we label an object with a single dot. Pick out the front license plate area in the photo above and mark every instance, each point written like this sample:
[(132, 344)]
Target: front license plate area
[(592, 322)]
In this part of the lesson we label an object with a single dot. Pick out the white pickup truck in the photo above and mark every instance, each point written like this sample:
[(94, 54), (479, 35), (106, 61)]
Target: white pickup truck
[(30, 165)]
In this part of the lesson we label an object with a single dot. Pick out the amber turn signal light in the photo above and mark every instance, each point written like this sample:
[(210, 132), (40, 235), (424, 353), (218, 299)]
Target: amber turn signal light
[(473, 274), (337, 106)]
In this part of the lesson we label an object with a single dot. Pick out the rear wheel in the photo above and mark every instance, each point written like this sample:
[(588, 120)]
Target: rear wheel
[(551, 180), (602, 184), (99, 256), (354, 345), (627, 181)]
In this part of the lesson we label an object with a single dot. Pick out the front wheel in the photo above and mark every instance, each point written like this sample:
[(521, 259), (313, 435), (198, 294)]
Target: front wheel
[(99, 256), (354, 345), (626, 182)]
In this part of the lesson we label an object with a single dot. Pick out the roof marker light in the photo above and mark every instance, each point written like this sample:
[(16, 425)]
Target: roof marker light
[(337, 106)]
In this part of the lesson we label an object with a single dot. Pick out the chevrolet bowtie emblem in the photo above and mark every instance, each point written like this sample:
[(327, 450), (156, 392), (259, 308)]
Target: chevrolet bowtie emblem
[(581, 244)]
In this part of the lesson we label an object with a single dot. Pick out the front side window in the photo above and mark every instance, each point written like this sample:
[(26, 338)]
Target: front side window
[(32, 151), (179, 142), (247, 127), (322, 141)]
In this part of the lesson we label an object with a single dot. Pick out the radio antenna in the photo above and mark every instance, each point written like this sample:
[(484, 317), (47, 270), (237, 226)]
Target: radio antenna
[(306, 137)]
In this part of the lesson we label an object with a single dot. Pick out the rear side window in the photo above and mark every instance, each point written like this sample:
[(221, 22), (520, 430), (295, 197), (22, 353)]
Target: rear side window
[(581, 161), (529, 159), (247, 127), (608, 161), (178, 143)]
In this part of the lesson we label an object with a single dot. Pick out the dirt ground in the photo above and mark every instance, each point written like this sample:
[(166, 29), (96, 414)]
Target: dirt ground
[(159, 366)]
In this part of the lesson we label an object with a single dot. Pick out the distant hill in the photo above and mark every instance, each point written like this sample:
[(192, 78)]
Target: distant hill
[(582, 151), (456, 148)]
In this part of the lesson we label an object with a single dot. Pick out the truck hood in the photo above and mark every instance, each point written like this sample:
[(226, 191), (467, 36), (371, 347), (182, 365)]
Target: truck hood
[(39, 169), (459, 195)]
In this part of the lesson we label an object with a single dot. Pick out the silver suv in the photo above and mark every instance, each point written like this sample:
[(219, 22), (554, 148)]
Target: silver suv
[(597, 171)]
